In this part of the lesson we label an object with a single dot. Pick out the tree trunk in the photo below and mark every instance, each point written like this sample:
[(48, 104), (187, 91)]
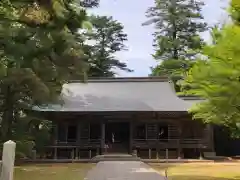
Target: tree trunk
[(174, 36), (174, 32), (7, 118)]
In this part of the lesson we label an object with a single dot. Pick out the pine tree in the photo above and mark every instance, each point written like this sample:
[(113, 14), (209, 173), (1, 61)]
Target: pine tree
[(178, 24), (39, 52), (108, 38), (89, 3)]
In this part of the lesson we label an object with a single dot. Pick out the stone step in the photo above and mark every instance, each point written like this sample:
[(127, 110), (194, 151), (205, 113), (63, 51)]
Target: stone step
[(115, 157)]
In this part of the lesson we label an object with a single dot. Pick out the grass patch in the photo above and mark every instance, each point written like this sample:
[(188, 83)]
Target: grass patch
[(52, 171), (187, 171), (200, 171)]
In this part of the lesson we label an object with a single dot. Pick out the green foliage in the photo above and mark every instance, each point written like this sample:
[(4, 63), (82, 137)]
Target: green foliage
[(31, 133), (107, 38), (174, 69), (235, 11), (215, 34), (217, 81), (39, 52)]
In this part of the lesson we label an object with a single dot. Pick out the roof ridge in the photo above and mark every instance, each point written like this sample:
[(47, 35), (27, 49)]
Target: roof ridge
[(189, 97), (125, 79)]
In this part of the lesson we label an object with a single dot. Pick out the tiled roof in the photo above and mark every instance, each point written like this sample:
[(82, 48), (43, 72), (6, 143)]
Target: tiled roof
[(120, 94)]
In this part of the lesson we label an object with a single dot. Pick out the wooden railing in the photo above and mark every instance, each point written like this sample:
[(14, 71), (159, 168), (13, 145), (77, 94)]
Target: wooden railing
[(81, 143), (90, 142), (160, 143), (169, 143), (191, 141)]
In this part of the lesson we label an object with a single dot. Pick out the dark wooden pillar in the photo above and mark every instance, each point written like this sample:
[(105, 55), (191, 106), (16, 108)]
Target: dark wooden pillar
[(66, 130), (146, 131), (149, 153), (78, 139), (55, 133), (90, 154), (102, 137), (211, 136), (200, 153), (130, 137), (78, 132), (166, 155), (55, 152), (179, 150), (55, 139), (157, 153)]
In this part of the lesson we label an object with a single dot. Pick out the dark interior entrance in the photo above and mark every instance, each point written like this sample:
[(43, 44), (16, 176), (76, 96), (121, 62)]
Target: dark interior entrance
[(117, 137)]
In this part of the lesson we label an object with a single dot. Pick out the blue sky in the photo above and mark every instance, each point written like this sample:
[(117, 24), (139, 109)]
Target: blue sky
[(131, 13)]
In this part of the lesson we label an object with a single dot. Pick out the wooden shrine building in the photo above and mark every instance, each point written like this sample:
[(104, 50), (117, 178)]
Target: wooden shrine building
[(119, 115)]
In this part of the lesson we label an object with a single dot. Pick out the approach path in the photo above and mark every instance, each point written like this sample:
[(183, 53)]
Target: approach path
[(123, 170)]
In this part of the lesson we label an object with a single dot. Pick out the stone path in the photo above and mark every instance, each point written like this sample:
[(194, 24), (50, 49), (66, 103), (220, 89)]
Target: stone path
[(123, 170)]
